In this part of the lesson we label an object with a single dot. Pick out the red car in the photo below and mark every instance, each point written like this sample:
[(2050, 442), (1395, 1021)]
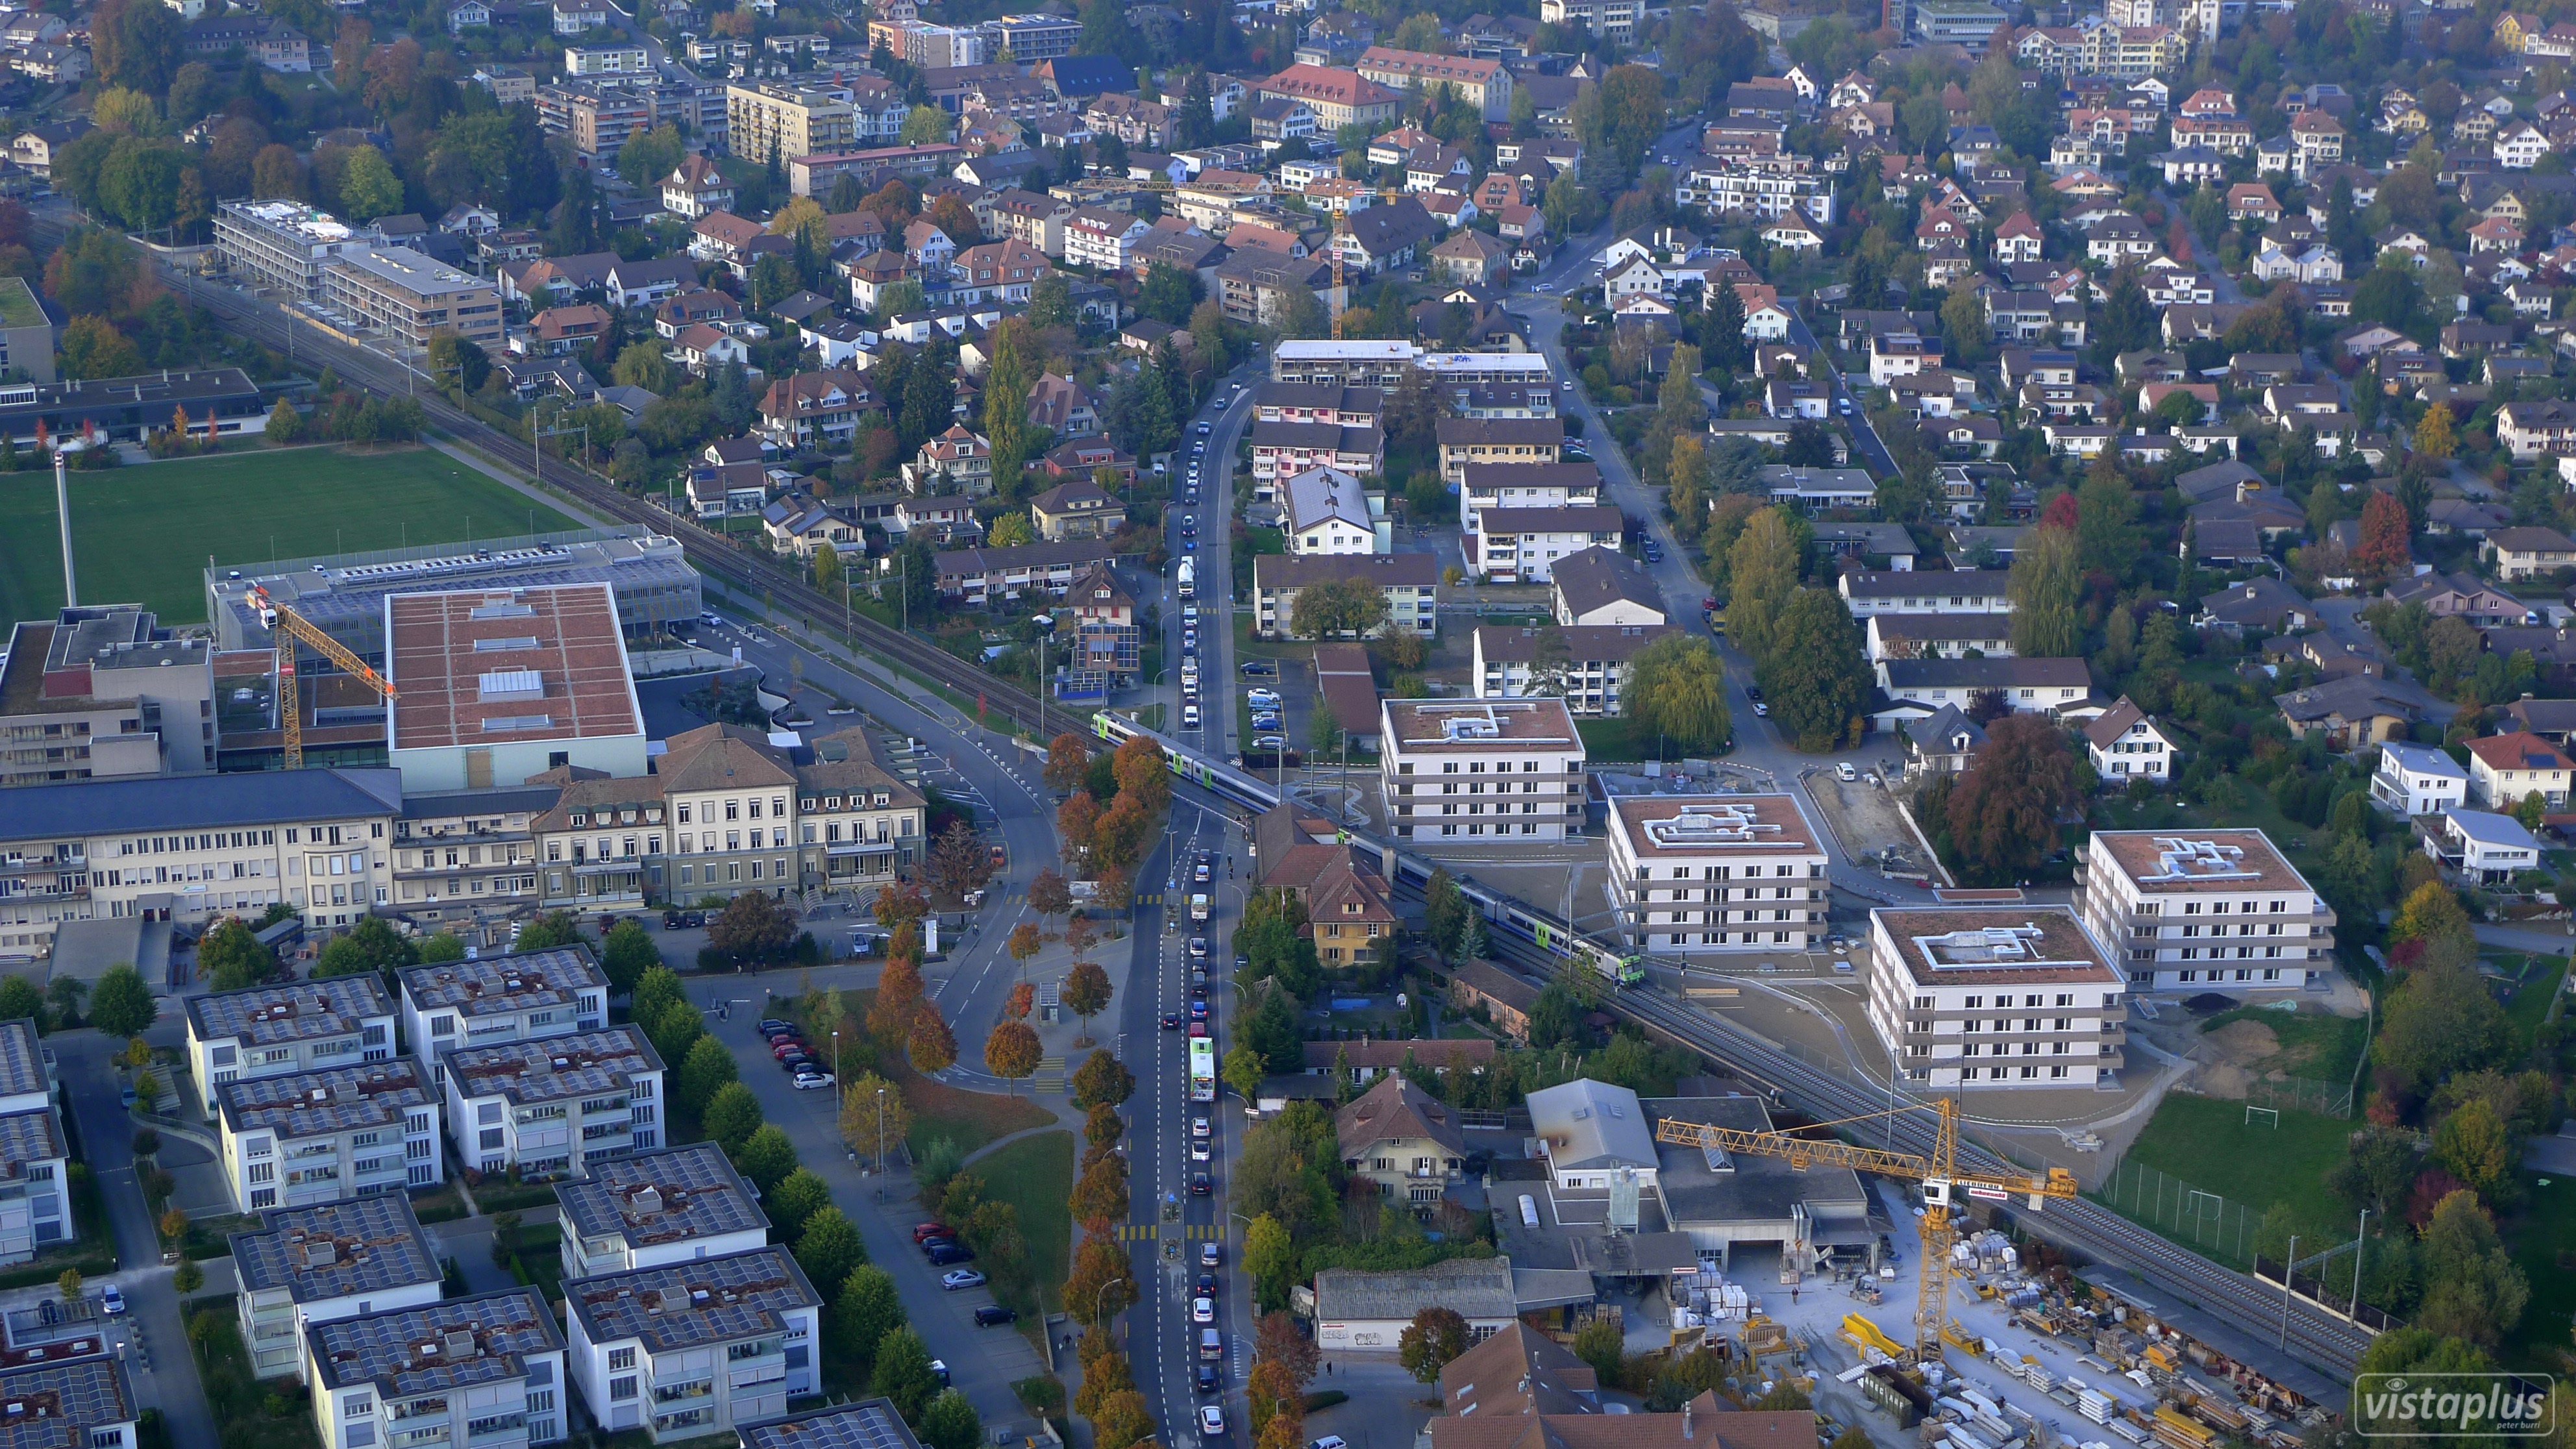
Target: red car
[(1198, 1028), (922, 1232), (782, 1048)]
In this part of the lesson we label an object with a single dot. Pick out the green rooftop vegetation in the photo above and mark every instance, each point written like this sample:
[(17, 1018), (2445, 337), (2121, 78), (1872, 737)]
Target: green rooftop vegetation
[(18, 305)]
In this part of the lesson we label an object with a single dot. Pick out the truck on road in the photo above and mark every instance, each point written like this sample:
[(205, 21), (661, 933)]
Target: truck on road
[(1189, 578)]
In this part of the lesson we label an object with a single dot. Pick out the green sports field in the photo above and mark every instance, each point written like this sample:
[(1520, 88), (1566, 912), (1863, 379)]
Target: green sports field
[(145, 532)]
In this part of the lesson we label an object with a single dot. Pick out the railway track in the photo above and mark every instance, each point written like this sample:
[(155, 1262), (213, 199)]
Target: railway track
[(2326, 1342)]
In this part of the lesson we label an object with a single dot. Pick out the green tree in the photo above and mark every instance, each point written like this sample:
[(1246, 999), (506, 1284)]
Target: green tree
[(1677, 689), (370, 945), (546, 932), (2480, 1149), (767, 1158), (1332, 607), (2472, 1288), (1270, 1257), (2104, 509), (707, 1068), (1762, 570), (1168, 295), (868, 1309), (1102, 1080), (625, 954), (649, 156), (230, 957), (641, 364), (121, 1004), (903, 1372), (949, 1422), (1601, 1344), (21, 1000), (369, 188), (731, 1116), (829, 1247), (1817, 682), (1243, 1071), (2441, 1021), (797, 1197), (2044, 585), (925, 126)]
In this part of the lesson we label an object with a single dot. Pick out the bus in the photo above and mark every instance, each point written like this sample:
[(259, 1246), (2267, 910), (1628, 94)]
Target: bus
[(1202, 1069)]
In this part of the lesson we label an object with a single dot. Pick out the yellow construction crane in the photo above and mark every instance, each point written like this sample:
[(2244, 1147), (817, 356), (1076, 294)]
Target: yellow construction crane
[(1939, 1174), (290, 626)]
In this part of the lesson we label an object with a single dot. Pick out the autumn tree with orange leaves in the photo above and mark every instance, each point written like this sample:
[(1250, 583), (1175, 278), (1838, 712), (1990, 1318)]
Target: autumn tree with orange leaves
[(1012, 1051)]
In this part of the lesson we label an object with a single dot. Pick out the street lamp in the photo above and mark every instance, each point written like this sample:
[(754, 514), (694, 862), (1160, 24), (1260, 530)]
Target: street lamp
[(880, 1131)]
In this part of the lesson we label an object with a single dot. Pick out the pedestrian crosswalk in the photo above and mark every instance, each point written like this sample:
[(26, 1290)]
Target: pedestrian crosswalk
[(1050, 1076), (1191, 1232), (1150, 898)]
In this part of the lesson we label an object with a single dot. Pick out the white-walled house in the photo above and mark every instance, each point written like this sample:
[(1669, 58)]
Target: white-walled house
[(683, 1350), (2414, 780), (2021, 996), (1711, 874), (332, 1260), (653, 1208), (273, 1031), (485, 1372), (551, 1105), (2125, 745), (499, 999), (2484, 847), (321, 1136)]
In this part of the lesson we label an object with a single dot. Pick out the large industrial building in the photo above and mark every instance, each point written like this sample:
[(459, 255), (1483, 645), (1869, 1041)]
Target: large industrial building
[(343, 595), (495, 686), (124, 409)]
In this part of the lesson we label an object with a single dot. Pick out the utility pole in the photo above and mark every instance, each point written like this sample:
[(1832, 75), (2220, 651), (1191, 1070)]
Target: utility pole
[(63, 517), (2360, 1245), (2288, 1272)]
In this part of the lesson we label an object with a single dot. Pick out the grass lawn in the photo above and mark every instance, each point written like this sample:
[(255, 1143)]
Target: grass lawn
[(969, 1119), (2542, 1232), (2207, 1143), (1611, 739), (2537, 984), (240, 508), (1035, 1175)]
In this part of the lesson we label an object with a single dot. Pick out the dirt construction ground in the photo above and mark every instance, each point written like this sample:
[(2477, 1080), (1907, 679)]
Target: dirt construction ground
[(1864, 817)]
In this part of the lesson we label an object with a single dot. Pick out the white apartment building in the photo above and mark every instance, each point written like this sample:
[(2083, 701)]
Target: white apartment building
[(1615, 20), (1695, 874), (593, 60), (1926, 591), (498, 999), (1767, 191), (79, 1403), (1327, 511), (682, 1350), (486, 1371), (2185, 910), (2414, 780), (285, 244), (1506, 663), (333, 1260), (35, 1208), (320, 1136), (1522, 545), (1102, 239), (867, 1424), (2483, 847), (1456, 768), (549, 1107), (2004, 996), (675, 1205), (1521, 487), (283, 1029), (192, 847)]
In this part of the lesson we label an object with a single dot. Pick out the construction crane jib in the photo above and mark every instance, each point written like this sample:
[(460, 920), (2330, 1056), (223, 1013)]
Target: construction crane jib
[(1942, 1183), (290, 626)]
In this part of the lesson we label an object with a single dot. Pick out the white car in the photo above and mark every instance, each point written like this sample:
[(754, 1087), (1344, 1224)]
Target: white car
[(1845, 773), (1199, 1127), (813, 1081), (111, 1301), (1211, 1422), (1198, 1152), (958, 1278), (1202, 1310)]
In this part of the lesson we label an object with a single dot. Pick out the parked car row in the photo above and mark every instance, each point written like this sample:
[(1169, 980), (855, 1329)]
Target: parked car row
[(787, 1047)]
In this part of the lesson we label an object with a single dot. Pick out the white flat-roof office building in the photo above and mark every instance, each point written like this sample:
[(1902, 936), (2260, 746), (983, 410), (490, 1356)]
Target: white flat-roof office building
[(689, 1349), (498, 999), (485, 1372), (2003, 996), (1694, 874), (671, 1206), (333, 1260)]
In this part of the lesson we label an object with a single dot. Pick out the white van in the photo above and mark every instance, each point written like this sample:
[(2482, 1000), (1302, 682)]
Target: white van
[(1263, 698), (1189, 716)]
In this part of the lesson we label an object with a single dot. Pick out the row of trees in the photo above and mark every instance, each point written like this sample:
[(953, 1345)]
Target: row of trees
[(1805, 650)]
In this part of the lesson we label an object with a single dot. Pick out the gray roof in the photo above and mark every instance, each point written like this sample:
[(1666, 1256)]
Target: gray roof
[(310, 1104), (2218, 480), (660, 1197), (356, 1245), (1942, 628), (1700, 1188), (690, 1305), (450, 804), (22, 1062), (301, 1011), (86, 1394), (1887, 538), (1589, 578), (2358, 695), (554, 1068), (1925, 583), (92, 808), (1584, 643), (1478, 1288), (1592, 1124), (2488, 828), (868, 1424), (1907, 675), (451, 1345), (2425, 760), (27, 1137), (1937, 732), (1296, 571), (497, 984)]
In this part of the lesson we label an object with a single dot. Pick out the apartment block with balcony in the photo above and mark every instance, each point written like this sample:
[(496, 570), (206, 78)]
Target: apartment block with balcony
[(500, 999), (285, 1029), (785, 122), (34, 1182), (405, 298), (63, 1401), (467, 856), (674, 1205), (285, 245), (1481, 768), (304, 1266), (683, 1350), (317, 1137), (2201, 910), (1708, 874), (2002, 996), (101, 692), (485, 1372), (550, 1107)]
